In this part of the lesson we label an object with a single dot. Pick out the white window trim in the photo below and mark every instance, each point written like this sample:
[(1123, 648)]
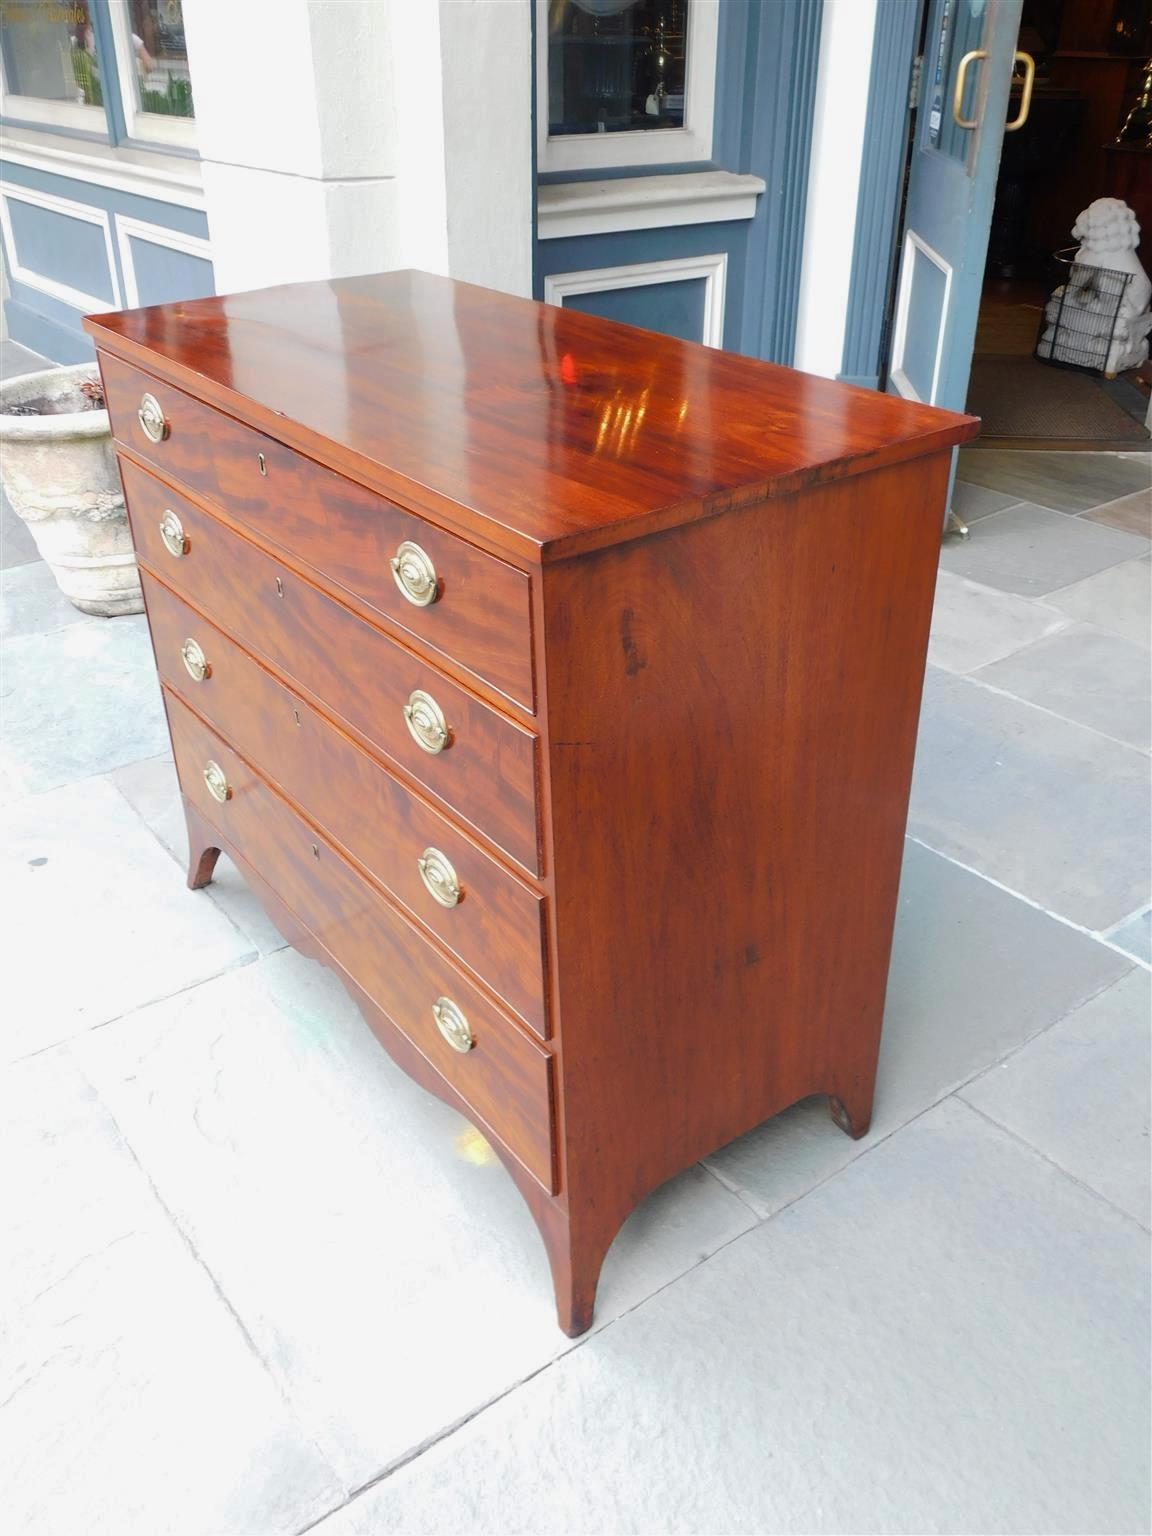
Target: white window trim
[(128, 230), (143, 172), (566, 208), (644, 146), (713, 269), (89, 303), (897, 373), (146, 127), (53, 114)]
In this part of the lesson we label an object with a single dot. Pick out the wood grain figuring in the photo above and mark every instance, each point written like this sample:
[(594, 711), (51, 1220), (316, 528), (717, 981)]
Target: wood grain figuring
[(497, 929), (740, 733), (505, 1077), (534, 429), (336, 530), (680, 645), (488, 774)]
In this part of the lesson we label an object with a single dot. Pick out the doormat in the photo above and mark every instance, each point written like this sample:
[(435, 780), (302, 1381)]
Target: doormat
[(1021, 397)]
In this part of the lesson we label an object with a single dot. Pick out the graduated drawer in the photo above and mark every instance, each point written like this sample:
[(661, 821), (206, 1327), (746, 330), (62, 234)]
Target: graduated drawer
[(486, 773), (346, 535), (504, 1076), (494, 923)]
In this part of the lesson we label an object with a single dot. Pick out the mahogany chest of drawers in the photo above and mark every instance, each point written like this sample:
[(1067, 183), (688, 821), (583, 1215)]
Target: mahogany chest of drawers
[(554, 682)]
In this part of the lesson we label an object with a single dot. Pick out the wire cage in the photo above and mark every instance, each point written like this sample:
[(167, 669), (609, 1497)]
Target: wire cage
[(1080, 319)]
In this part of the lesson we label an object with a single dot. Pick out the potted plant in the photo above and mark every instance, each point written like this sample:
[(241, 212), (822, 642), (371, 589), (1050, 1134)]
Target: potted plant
[(60, 475)]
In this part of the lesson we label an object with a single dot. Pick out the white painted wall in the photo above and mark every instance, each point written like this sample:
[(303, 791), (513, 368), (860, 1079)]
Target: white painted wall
[(351, 136), (486, 54), (846, 37)]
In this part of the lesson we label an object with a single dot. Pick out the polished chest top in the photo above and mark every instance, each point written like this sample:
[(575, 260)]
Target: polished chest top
[(554, 682)]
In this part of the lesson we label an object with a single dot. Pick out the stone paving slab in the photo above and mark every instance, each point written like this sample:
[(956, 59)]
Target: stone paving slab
[(94, 923), (1135, 937), (972, 502), (130, 1401), (973, 625), (1084, 674), (975, 973), (1048, 808), (376, 1251), (1065, 482), (32, 603), (1079, 1093), (1033, 551), (1131, 513), (77, 702), (1119, 599), (951, 1336)]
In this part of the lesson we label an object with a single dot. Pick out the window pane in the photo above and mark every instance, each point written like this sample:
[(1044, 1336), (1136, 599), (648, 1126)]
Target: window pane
[(163, 85), (616, 65), (49, 52)]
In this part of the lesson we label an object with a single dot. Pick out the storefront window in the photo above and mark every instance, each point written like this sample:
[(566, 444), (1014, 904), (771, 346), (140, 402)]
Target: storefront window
[(160, 58), (616, 65), (50, 64), (114, 67)]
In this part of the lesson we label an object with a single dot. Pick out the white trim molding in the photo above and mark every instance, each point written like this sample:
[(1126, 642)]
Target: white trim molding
[(645, 202), (128, 230), (142, 172), (152, 127), (643, 146), (684, 269), (904, 386), (88, 303)]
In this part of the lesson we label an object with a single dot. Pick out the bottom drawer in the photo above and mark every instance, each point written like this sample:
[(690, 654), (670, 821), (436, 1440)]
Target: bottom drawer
[(503, 1075)]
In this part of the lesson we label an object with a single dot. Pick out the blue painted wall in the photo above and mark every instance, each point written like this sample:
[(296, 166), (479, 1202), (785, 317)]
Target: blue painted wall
[(66, 249), (581, 253), (162, 274), (676, 309), (72, 251), (881, 184), (766, 81)]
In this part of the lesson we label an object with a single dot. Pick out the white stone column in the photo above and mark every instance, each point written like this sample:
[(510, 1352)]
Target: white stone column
[(349, 136), (841, 114)]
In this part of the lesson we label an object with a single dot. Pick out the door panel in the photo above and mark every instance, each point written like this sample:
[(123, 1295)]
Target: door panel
[(968, 59)]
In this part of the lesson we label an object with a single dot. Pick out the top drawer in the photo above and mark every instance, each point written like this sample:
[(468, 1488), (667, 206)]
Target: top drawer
[(450, 596)]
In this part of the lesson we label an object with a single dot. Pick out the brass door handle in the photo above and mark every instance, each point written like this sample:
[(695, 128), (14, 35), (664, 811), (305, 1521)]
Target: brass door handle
[(1026, 94), (152, 419), (415, 574), (195, 661), (218, 785), (958, 92), (425, 721), (439, 877), (172, 532), (452, 1024)]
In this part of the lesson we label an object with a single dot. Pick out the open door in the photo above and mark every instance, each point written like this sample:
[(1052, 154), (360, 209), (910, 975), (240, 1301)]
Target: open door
[(969, 51)]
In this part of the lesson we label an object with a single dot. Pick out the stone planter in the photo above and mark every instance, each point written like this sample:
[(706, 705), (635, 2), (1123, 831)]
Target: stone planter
[(60, 475)]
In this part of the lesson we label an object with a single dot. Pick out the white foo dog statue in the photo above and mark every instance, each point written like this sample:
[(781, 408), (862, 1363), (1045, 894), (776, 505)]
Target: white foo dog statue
[(1108, 235)]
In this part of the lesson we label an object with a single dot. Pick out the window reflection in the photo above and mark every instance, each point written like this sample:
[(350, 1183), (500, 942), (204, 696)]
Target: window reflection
[(49, 52), (160, 56), (616, 65)]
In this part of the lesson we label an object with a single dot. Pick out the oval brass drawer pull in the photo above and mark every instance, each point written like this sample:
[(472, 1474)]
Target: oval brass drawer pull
[(452, 1024), (152, 419), (195, 661), (218, 786), (426, 722), (439, 877), (415, 574), (172, 532)]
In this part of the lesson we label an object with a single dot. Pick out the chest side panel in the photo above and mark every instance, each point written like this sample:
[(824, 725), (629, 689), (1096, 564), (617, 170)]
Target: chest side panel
[(732, 716)]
